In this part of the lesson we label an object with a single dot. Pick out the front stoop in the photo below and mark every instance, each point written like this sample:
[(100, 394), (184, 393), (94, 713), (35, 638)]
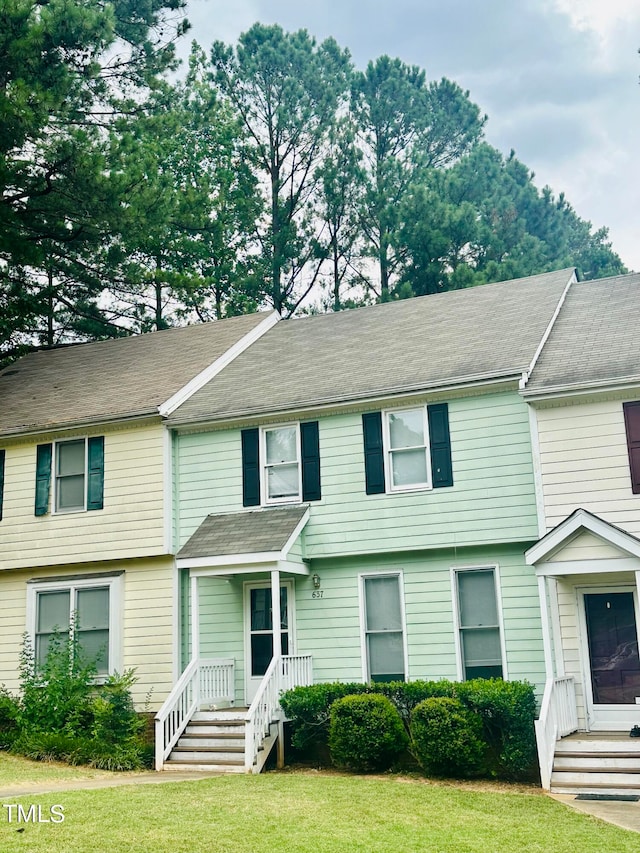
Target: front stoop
[(597, 763), (213, 741)]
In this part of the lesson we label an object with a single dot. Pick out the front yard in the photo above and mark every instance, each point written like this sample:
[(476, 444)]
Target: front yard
[(306, 811)]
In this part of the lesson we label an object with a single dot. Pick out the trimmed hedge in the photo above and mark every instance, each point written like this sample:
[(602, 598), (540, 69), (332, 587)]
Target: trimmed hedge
[(507, 710), (366, 733), (448, 739)]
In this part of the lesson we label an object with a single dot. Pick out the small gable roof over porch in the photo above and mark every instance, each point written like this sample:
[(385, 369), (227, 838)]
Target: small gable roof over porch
[(555, 553), (246, 538)]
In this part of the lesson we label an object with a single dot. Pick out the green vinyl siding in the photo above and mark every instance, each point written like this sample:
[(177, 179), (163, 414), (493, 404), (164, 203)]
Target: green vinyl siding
[(329, 628), (492, 499)]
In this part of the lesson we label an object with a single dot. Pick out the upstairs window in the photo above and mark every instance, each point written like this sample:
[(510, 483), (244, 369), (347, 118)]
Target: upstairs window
[(281, 464), (77, 467), (407, 443), (71, 464), (281, 471), (407, 449)]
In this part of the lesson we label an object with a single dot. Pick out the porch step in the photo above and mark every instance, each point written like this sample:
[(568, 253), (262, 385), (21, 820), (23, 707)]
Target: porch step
[(597, 763), (212, 741)]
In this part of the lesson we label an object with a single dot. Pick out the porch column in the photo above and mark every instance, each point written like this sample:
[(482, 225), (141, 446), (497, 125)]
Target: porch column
[(556, 627), (195, 619), (275, 612), (546, 626)]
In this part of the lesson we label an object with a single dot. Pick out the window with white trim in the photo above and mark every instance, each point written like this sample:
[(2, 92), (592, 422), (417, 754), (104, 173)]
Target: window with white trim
[(383, 628), (91, 605), (70, 475), (406, 436), (281, 469), (480, 643)]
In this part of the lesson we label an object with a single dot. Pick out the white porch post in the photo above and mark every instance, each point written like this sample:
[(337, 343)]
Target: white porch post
[(275, 612), (546, 626), (556, 627), (195, 619)]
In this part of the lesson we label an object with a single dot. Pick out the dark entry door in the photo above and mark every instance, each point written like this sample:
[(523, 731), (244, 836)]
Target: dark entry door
[(613, 647)]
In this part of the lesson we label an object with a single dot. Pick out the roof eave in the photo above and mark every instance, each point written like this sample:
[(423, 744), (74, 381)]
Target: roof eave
[(373, 397)]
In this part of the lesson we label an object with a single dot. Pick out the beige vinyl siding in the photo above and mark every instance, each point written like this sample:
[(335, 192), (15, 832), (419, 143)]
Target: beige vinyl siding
[(130, 525), (575, 656), (492, 498), (329, 627), (585, 463), (586, 546), (146, 628)]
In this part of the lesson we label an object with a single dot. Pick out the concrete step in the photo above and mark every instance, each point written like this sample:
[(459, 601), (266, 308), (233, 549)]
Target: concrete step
[(593, 746), (610, 761), (221, 714)]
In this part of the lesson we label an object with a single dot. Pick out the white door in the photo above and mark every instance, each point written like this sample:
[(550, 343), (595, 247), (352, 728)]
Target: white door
[(259, 630), (612, 665)]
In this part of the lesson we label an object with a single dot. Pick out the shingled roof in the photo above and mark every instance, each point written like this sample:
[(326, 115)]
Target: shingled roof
[(253, 532), (109, 380), (594, 341), (481, 333)]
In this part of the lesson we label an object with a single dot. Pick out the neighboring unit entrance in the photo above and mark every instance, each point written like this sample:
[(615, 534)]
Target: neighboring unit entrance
[(613, 685), (259, 631)]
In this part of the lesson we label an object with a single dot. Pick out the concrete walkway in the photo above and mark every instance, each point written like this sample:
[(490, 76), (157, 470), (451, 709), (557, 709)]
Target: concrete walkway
[(117, 780), (622, 813)]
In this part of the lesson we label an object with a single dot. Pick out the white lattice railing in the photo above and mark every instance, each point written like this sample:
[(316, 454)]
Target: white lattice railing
[(284, 672), (558, 717), (203, 682)]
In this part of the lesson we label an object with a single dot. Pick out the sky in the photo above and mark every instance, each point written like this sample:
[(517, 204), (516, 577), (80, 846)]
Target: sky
[(558, 79)]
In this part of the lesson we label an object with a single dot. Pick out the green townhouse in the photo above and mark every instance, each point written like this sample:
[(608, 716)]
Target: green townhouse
[(354, 495)]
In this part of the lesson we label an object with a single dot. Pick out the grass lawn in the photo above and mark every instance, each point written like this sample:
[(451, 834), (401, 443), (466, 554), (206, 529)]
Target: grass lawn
[(308, 811), (17, 771)]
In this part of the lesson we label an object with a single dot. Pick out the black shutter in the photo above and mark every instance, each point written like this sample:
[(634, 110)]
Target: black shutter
[(250, 467), (2, 455), (632, 425), (373, 453), (95, 473), (43, 478), (310, 446), (440, 445)]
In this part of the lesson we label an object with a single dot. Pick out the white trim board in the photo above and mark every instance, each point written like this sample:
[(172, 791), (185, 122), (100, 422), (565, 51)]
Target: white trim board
[(216, 367), (568, 529)]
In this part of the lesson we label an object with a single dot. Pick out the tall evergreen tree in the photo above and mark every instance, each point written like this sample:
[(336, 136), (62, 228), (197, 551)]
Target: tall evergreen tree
[(287, 89)]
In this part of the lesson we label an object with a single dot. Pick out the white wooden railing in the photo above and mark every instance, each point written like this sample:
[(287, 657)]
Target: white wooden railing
[(204, 681), (284, 672), (558, 717)]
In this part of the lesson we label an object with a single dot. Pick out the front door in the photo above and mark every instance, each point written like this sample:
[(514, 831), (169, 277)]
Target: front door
[(613, 680), (259, 630)]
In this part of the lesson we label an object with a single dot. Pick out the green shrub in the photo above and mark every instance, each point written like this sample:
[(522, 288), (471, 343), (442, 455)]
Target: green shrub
[(308, 710), (114, 715), (9, 714), (63, 715), (57, 746), (447, 738), (56, 694), (507, 710), (365, 733)]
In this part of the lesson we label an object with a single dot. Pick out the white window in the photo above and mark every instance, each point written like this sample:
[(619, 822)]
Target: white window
[(406, 439), (383, 628), (70, 475), (281, 470), (480, 646), (92, 603)]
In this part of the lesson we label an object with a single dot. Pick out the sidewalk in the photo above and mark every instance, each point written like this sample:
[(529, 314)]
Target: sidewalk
[(117, 780), (622, 813)]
